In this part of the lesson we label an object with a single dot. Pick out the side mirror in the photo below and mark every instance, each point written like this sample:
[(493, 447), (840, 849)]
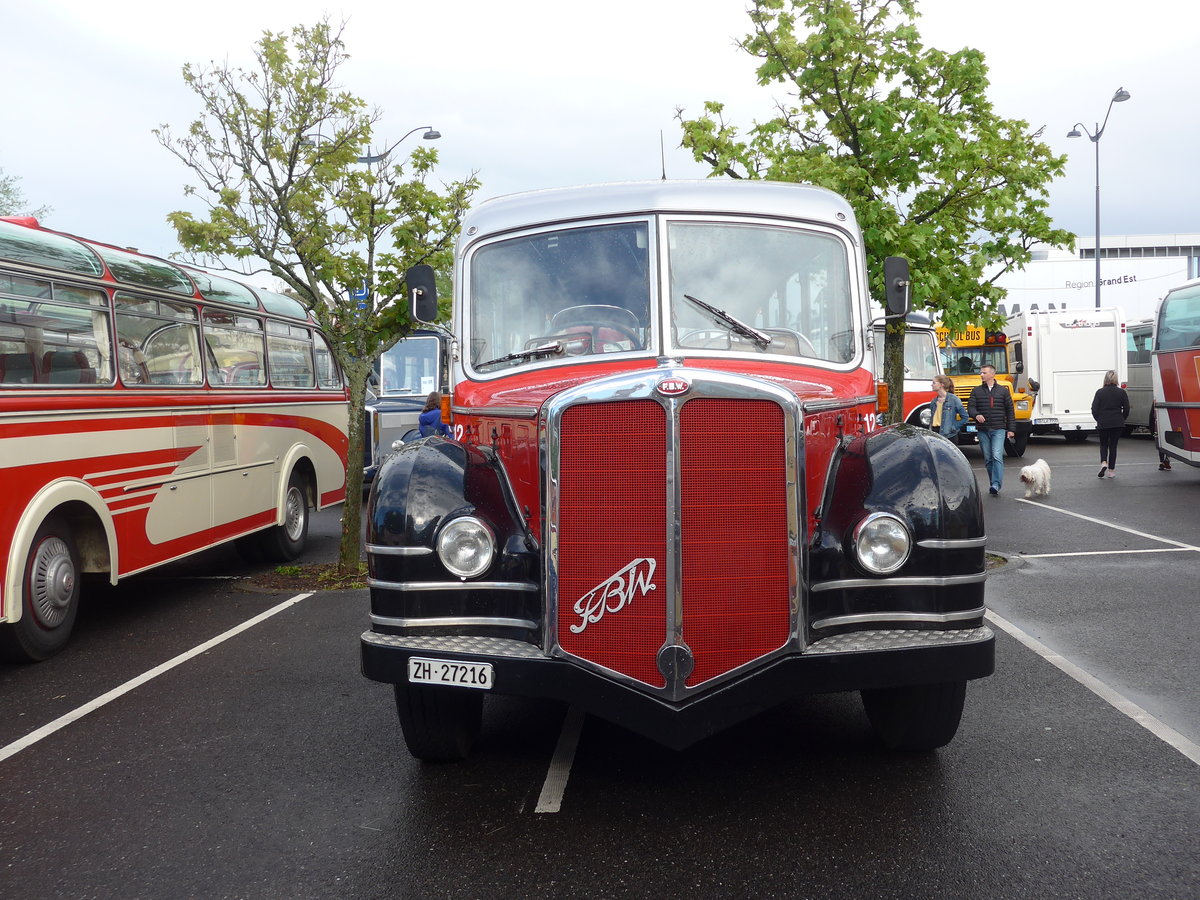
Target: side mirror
[(896, 281), (1019, 366), (422, 293)]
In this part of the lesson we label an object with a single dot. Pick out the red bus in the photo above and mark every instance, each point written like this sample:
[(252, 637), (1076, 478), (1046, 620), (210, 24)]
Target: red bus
[(148, 411), (668, 500), (1177, 374)]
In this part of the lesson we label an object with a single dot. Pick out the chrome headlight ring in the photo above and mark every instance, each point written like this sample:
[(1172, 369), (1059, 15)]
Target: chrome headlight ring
[(466, 546), (882, 543)]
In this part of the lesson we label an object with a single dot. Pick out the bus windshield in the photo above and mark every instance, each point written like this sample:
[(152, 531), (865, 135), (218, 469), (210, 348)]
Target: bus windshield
[(410, 366), (968, 360), (1179, 320)]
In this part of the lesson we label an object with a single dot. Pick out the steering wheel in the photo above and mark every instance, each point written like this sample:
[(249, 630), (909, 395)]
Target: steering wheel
[(706, 339), (594, 320), (806, 346), (132, 353)]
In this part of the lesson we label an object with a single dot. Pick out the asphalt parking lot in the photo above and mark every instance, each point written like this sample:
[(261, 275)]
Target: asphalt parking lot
[(266, 766)]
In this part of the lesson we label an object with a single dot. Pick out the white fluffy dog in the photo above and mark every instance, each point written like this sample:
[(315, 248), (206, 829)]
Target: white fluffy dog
[(1036, 479)]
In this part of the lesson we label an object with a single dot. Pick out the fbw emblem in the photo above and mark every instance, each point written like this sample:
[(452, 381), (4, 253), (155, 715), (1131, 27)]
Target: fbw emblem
[(673, 386)]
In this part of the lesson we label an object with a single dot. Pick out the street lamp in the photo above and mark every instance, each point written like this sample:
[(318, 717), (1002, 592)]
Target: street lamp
[(1119, 97), (431, 134)]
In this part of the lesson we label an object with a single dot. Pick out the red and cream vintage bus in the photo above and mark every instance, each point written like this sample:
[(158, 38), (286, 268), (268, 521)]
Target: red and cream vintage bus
[(667, 499), (1177, 374), (147, 411)]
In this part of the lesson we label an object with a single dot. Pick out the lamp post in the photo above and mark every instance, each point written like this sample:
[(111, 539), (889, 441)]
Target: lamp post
[(1119, 97), (431, 134)]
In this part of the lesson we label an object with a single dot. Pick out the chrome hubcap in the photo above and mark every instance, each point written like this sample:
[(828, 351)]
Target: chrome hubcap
[(293, 521), (51, 582)]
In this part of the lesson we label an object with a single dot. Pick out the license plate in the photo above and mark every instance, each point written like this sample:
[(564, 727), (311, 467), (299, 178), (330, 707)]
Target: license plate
[(1045, 421), (444, 671), (970, 429)]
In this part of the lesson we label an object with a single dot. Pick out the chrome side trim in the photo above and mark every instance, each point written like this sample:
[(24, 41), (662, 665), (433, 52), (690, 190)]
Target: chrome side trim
[(452, 585), (508, 412), (445, 621), (382, 550), (866, 618), (955, 544), (459, 643), (912, 581), (206, 473), (838, 403), (897, 639)]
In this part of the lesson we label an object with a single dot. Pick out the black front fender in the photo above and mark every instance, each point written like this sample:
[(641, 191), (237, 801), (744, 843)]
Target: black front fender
[(924, 480), (420, 488)]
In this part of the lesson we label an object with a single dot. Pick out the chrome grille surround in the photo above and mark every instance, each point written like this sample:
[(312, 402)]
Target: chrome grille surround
[(643, 385)]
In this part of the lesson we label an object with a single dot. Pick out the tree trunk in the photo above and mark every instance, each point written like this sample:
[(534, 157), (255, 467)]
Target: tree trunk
[(893, 369), (350, 548)]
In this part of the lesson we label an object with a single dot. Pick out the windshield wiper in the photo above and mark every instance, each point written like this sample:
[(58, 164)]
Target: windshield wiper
[(541, 349), (735, 325)]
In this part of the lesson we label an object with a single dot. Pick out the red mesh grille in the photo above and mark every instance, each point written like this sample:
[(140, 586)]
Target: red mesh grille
[(733, 515), (612, 511), (734, 491)]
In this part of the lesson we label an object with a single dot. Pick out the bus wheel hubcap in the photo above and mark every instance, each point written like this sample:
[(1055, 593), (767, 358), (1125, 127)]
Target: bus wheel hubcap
[(52, 582)]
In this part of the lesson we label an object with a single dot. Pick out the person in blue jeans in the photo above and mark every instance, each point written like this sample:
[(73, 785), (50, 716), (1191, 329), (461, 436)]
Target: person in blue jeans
[(991, 407), (949, 415)]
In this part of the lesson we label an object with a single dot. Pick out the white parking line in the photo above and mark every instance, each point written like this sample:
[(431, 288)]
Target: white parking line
[(1106, 552), (1159, 729), (78, 713), (1067, 512), (555, 785)]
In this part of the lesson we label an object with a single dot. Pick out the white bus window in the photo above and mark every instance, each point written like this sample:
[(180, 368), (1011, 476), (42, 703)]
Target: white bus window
[(289, 354), (153, 346), (236, 351), (328, 376)]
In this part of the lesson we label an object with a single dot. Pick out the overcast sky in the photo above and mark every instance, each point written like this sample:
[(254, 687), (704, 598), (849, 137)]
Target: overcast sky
[(542, 93)]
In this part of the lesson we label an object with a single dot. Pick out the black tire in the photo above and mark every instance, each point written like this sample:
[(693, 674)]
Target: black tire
[(49, 596), (283, 543), (1075, 437), (918, 717), (440, 724), (1016, 446)]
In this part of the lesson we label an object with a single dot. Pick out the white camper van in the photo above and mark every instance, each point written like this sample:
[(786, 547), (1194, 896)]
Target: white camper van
[(1060, 358)]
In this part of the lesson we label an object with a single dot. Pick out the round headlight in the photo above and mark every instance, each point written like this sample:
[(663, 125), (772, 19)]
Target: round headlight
[(882, 543), (466, 546), (926, 415)]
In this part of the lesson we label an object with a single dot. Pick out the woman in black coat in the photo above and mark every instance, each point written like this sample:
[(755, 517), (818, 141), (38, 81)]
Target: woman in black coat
[(1110, 409)]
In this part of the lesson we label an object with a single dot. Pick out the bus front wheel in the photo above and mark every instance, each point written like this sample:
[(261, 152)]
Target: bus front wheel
[(49, 596), (282, 543)]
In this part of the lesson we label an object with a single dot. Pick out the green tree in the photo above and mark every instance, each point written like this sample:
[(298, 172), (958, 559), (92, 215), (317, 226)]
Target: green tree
[(907, 134), (12, 199), (276, 154)]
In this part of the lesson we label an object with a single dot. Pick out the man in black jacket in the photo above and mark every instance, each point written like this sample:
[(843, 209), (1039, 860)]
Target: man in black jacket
[(991, 407)]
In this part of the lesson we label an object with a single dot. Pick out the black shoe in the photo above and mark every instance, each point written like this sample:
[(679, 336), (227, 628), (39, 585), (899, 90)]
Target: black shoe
[(993, 491), (1164, 466), (1103, 466)]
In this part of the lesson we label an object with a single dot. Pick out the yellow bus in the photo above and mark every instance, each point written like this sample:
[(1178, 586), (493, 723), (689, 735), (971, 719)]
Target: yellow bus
[(963, 353)]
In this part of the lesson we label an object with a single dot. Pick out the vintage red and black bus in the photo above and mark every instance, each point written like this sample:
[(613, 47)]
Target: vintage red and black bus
[(1176, 374), (668, 500), (148, 411)]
